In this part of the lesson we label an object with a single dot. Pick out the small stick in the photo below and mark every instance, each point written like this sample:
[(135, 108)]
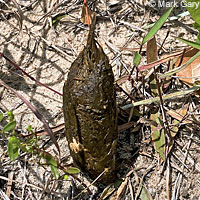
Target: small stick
[(162, 107), (10, 182), (38, 82)]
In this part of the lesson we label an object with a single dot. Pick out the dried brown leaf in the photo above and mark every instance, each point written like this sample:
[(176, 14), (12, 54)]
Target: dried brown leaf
[(152, 51), (191, 73), (86, 15), (126, 126)]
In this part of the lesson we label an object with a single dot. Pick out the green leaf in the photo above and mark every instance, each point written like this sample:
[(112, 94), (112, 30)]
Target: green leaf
[(107, 191), (10, 116), (198, 38), (58, 18), (29, 128), (191, 43), (118, 183), (30, 148), (13, 147), (50, 160), (193, 6), (158, 136), (145, 195), (137, 59), (10, 126), (66, 177), (54, 171), (1, 116), (157, 26), (73, 170), (23, 147), (197, 26)]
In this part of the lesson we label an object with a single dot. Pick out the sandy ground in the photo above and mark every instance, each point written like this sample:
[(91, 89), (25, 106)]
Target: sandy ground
[(45, 52)]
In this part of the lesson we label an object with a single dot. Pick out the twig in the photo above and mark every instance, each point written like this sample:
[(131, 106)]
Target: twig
[(168, 191), (45, 188), (90, 184), (128, 95), (3, 195), (165, 121), (133, 26), (163, 42), (130, 185), (32, 185), (178, 182), (9, 185), (33, 79)]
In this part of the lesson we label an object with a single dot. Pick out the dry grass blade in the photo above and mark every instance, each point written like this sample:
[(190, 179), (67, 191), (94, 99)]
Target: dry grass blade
[(107, 192), (176, 191), (36, 112), (158, 62), (130, 185), (3, 195), (93, 182), (142, 191), (51, 10), (19, 14), (38, 82), (168, 180), (122, 189), (10, 182), (126, 126), (165, 97), (120, 193), (54, 129), (180, 117), (31, 185)]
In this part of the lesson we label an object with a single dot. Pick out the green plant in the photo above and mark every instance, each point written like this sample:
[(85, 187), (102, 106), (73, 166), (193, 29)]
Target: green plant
[(193, 6), (157, 131), (17, 144)]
